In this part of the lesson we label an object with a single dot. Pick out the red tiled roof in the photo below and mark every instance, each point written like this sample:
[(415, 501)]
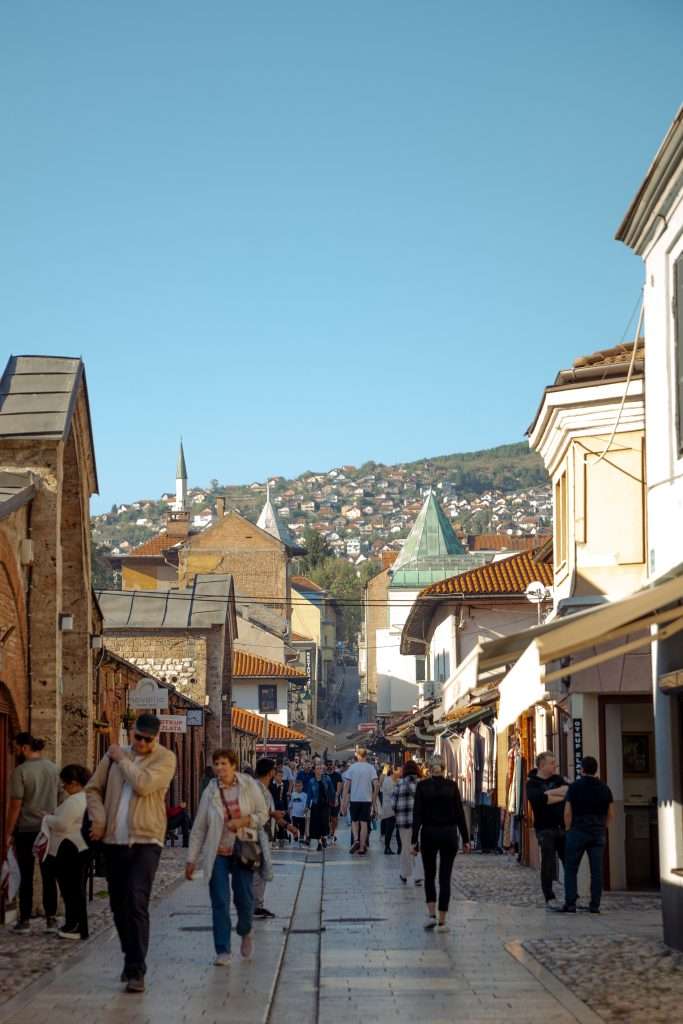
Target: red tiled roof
[(508, 576), (154, 546), (250, 666), (250, 722), (303, 583), (501, 542), (298, 638), (605, 356)]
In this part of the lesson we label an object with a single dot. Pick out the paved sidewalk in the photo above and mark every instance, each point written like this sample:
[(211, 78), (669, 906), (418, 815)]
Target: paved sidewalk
[(372, 959)]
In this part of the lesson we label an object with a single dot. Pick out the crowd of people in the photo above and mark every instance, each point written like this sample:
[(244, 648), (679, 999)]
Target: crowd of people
[(122, 814)]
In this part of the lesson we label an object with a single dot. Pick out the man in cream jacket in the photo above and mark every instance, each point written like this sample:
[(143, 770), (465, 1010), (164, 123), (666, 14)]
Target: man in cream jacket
[(126, 805)]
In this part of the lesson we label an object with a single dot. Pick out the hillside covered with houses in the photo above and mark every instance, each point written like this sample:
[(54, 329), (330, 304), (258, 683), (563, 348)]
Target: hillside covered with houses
[(360, 512)]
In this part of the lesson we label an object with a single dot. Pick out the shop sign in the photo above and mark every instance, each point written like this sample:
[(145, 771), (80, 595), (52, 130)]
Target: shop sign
[(267, 699), (148, 695), (173, 723), (308, 663), (195, 716), (577, 735)]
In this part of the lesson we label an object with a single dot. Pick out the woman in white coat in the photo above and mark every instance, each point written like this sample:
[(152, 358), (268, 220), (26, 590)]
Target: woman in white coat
[(231, 804), (70, 851)]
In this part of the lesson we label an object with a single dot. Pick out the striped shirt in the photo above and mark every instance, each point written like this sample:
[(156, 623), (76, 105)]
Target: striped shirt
[(230, 795)]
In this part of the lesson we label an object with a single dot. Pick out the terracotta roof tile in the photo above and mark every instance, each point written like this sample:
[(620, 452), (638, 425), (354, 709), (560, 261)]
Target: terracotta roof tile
[(501, 542), (154, 546), (508, 576), (606, 356), (304, 583), (250, 722), (253, 665)]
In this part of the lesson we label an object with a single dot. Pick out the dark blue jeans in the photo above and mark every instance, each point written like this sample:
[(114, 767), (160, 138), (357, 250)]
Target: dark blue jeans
[(243, 894), (579, 842)]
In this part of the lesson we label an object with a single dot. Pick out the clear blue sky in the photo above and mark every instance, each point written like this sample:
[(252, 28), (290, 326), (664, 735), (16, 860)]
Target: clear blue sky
[(308, 233)]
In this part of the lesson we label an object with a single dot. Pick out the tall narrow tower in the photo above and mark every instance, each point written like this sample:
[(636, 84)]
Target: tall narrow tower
[(181, 482)]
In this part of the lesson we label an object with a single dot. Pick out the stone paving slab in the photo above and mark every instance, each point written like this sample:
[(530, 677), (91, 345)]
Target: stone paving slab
[(376, 961), (25, 958)]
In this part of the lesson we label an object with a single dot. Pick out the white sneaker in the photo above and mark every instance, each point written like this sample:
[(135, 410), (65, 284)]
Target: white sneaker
[(429, 922), (223, 960), (442, 927)]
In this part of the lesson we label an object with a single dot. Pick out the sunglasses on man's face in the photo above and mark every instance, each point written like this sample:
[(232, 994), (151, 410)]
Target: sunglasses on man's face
[(140, 738)]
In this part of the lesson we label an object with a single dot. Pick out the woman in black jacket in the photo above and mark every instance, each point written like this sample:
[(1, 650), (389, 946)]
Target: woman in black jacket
[(437, 816)]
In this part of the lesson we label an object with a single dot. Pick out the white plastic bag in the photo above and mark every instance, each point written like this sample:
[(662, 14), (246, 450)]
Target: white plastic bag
[(10, 876)]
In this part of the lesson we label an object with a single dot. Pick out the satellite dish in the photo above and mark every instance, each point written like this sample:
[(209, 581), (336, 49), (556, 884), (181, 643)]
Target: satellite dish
[(536, 592)]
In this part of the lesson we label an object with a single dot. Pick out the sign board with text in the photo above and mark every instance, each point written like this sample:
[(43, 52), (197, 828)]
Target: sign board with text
[(148, 695), (577, 735), (267, 699), (173, 723)]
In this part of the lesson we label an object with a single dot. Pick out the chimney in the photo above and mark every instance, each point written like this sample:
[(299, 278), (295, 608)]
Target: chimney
[(220, 507)]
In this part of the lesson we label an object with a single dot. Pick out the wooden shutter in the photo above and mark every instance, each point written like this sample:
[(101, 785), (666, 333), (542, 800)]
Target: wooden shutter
[(678, 346)]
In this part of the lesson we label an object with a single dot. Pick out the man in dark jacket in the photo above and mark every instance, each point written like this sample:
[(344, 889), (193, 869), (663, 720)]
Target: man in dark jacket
[(546, 792), (587, 813)]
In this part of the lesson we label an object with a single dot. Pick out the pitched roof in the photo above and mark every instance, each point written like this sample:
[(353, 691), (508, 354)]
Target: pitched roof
[(608, 356), (500, 542), (154, 546), (38, 396), (304, 583), (270, 521), (251, 666), (181, 468), (208, 602), (250, 722), (508, 576), (431, 550)]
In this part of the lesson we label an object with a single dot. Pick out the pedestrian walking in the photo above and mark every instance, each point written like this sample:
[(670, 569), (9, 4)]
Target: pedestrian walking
[(359, 795), (588, 812), (546, 791), (402, 802), (232, 807), (127, 807), (279, 790), (33, 790), (320, 796), (69, 851), (387, 817), (265, 772), (438, 815), (298, 806), (337, 785)]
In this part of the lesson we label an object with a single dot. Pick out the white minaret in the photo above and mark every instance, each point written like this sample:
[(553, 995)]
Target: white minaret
[(181, 482)]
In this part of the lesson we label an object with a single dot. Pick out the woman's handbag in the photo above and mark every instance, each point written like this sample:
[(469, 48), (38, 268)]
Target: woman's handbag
[(248, 853)]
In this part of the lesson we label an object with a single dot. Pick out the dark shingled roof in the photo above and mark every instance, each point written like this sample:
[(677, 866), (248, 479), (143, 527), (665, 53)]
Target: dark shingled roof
[(203, 605), (38, 396)]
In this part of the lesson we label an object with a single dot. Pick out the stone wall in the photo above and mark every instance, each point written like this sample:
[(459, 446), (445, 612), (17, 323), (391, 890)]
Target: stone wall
[(176, 658)]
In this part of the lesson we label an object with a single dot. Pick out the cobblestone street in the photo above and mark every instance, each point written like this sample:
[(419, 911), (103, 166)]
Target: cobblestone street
[(348, 944)]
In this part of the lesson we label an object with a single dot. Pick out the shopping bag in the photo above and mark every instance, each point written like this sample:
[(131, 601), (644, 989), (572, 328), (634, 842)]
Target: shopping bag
[(10, 877), (42, 842)]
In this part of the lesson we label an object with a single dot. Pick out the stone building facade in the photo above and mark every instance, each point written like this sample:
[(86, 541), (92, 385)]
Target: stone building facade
[(47, 475), (182, 637)]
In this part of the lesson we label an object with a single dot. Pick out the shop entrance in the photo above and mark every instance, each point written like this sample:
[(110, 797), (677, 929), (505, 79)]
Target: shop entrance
[(627, 742)]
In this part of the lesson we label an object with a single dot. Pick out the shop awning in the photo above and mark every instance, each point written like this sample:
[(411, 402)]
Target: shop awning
[(614, 624)]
